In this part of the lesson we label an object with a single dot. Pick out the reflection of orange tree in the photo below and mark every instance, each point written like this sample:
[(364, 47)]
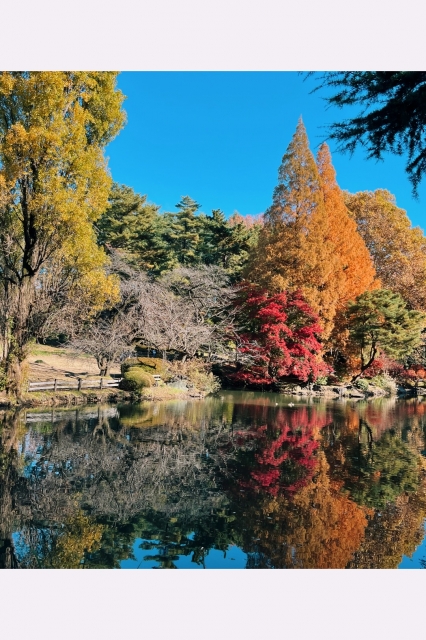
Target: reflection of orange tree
[(318, 527), (293, 514)]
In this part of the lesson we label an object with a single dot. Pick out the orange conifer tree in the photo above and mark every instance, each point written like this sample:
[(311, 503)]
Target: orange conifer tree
[(355, 271), (294, 251)]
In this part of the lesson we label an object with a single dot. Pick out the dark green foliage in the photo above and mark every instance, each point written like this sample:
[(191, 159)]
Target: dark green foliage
[(184, 232), (136, 227), (392, 116), (380, 320), (383, 471), (158, 242), (226, 243)]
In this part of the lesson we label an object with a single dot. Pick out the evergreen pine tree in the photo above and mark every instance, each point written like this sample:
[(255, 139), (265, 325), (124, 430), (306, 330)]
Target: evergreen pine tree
[(136, 227), (184, 232), (225, 243)]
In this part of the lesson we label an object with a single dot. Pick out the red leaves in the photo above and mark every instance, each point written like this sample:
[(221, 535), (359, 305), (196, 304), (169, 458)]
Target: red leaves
[(284, 458), (280, 338)]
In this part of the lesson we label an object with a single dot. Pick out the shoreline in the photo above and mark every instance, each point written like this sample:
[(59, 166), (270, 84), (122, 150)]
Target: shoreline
[(90, 396)]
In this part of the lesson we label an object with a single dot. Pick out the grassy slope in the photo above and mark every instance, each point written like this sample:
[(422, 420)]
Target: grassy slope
[(47, 363)]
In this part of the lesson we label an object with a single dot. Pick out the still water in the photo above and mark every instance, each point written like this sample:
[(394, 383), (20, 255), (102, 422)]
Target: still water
[(240, 480)]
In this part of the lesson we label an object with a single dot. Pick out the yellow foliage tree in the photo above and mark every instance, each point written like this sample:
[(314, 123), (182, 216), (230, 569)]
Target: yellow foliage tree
[(54, 184), (397, 248), (79, 536)]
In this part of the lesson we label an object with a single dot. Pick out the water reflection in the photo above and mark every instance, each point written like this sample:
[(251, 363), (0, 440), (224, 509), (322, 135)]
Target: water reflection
[(242, 479)]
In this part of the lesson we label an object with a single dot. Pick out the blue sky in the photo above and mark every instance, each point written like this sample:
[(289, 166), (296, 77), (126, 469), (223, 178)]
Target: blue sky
[(219, 137)]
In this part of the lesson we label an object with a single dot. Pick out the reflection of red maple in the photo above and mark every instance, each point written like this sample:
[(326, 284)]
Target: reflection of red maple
[(284, 455), (281, 338)]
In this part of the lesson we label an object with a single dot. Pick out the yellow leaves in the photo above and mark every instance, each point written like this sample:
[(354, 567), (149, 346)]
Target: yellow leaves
[(80, 535), (7, 83), (398, 250)]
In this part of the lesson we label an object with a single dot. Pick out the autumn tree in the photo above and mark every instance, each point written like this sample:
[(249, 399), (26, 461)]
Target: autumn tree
[(380, 321), (294, 250), (278, 338), (398, 249), (355, 270), (356, 264), (107, 339), (54, 184), (185, 310)]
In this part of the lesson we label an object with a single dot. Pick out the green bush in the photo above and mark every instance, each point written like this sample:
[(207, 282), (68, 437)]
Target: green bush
[(322, 380), (384, 382), (153, 366), (135, 379), (362, 384)]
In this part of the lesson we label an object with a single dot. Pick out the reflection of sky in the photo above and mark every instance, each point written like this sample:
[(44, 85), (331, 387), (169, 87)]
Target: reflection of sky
[(235, 558), (415, 561)]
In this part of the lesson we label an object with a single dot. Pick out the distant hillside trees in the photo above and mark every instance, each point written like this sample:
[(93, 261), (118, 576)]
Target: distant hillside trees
[(158, 242)]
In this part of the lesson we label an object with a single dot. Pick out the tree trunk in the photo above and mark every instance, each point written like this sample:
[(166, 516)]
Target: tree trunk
[(16, 334), (364, 366)]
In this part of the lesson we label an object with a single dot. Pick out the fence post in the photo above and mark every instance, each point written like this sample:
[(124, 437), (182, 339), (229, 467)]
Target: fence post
[(101, 383), (79, 385), (54, 387)]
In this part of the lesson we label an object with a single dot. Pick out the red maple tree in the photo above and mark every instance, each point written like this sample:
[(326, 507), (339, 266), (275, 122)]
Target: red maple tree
[(279, 338)]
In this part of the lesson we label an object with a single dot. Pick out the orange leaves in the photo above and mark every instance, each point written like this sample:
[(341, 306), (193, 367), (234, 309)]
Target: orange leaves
[(309, 241), (356, 271)]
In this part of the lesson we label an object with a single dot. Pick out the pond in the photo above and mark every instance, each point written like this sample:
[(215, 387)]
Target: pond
[(239, 480)]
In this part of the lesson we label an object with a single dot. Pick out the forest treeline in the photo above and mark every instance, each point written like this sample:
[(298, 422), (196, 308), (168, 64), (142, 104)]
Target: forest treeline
[(324, 283)]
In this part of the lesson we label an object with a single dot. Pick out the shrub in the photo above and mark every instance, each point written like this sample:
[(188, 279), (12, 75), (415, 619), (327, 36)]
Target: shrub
[(322, 380), (384, 382), (153, 366), (135, 379), (197, 372), (362, 384)]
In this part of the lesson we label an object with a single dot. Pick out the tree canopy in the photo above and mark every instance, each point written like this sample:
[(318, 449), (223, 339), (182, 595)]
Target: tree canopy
[(379, 320), (392, 114), (398, 250), (54, 184)]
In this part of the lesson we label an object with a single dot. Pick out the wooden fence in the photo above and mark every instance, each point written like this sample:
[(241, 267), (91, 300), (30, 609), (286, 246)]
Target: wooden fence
[(78, 384)]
